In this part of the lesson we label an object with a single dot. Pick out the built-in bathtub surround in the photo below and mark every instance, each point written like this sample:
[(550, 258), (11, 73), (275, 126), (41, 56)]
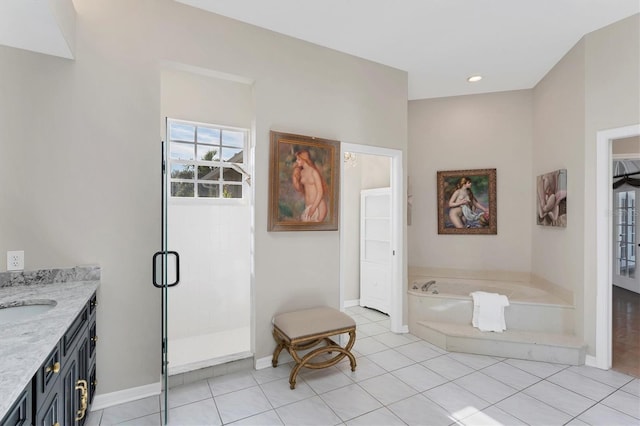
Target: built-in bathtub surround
[(525, 279), (540, 319), (26, 343)]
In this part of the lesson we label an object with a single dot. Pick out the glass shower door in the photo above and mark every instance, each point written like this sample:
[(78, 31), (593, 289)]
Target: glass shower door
[(166, 274)]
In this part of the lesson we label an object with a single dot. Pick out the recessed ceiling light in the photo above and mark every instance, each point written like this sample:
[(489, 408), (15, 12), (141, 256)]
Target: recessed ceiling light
[(474, 78)]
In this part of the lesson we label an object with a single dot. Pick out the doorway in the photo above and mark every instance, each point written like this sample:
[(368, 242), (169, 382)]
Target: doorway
[(626, 239), (604, 241), (350, 226), (208, 216)]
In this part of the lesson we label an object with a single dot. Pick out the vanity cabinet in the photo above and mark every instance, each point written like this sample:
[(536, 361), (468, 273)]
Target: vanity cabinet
[(60, 389), (21, 413)]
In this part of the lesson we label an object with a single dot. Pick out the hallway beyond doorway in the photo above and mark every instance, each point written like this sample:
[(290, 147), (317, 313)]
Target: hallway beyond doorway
[(626, 331)]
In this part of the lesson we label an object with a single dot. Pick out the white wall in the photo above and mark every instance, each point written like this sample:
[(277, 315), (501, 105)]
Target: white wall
[(81, 139), (594, 87), (472, 132), (559, 144), (612, 100)]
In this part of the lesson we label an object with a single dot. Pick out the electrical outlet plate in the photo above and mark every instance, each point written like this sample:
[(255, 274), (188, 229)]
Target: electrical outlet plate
[(15, 260)]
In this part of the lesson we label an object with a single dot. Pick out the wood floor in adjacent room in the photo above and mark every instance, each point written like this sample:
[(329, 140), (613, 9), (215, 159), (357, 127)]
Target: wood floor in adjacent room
[(626, 331)]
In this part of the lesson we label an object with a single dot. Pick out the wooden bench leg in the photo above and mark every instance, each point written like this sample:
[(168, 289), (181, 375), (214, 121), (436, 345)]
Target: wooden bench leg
[(306, 361), (279, 348)]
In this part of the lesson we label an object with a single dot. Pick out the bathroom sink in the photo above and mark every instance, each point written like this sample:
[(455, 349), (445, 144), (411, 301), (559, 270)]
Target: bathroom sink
[(17, 311)]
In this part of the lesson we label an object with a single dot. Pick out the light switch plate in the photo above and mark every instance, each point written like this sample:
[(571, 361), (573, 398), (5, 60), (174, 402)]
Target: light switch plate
[(15, 260)]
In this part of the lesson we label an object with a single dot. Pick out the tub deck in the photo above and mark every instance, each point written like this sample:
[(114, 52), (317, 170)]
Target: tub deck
[(540, 325)]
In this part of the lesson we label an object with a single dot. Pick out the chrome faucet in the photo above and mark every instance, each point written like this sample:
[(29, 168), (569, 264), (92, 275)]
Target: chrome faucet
[(427, 285)]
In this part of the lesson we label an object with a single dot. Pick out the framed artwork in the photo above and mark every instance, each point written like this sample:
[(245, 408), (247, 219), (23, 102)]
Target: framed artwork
[(467, 202), (551, 200), (304, 183)]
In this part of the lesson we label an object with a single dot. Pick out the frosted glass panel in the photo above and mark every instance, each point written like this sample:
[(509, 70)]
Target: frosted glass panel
[(377, 206), (376, 251), (376, 229)]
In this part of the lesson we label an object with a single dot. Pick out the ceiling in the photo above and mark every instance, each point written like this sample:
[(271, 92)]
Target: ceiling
[(511, 43)]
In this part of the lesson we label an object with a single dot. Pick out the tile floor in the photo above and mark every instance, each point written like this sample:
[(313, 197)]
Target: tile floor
[(400, 379)]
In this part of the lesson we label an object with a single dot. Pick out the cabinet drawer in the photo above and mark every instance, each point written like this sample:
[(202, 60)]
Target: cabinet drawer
[(74, 332), (47, 375)]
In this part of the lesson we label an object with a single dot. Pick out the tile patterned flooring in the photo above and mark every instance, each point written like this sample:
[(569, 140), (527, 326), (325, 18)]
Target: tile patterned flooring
[(399, 380)]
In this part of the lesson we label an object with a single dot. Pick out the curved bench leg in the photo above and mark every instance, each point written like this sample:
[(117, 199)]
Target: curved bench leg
[(276, 352), (306, 360)]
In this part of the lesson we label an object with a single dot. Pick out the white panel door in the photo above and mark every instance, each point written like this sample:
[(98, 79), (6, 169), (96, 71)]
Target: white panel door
[(625, 236), (375, 248)]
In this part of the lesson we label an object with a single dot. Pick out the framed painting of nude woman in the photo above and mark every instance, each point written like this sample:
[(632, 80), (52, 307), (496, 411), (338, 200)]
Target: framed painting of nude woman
[(304, 183), (551, 200), (467, 202)]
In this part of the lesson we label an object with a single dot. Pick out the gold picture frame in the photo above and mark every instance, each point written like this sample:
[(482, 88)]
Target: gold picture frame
[(467, 202), (304, 183)]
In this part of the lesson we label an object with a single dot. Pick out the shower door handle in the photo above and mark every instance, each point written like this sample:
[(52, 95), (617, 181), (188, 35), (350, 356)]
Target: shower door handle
[(155, 269)]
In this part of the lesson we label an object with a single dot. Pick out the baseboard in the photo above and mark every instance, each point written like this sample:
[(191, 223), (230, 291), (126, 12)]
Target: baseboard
[(350, 303), (264, 362), (106, 400), (591, 361), (404, 329)]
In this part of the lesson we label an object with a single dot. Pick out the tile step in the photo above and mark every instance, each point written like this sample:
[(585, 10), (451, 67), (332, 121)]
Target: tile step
[(530, 345)]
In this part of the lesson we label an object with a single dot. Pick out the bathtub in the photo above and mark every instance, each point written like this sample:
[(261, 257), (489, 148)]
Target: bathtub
[(460, 287), (448, 300)]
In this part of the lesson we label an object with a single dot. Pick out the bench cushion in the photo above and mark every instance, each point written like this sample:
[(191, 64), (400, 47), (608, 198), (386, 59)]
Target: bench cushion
[(309, 322)]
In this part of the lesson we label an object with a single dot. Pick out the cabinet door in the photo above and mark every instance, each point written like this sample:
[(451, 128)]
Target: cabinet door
[(91, 363), (74, 380), (48, 375), (50, 413), (21, 412), (375, 248)]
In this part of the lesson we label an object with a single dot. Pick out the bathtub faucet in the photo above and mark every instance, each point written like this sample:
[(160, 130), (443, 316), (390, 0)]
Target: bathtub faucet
[(427, 285)]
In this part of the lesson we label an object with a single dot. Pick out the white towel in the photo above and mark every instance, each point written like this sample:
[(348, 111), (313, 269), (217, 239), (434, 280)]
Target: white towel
[(488, 311)]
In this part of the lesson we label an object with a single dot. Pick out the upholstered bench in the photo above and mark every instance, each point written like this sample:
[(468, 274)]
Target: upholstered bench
[(305, 329)]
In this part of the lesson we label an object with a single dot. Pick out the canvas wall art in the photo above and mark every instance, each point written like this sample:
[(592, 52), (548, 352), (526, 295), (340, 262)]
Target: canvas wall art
[(551, 200), (304, 183), (467, 202)]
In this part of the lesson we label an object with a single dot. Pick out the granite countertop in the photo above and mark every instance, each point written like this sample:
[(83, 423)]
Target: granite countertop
[(25, 344)]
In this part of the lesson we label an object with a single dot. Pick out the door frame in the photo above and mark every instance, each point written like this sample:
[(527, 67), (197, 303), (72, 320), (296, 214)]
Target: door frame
[(604, 241), (396, 311)]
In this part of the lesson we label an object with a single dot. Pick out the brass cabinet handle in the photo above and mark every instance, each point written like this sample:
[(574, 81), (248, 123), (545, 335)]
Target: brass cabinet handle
[(81, 385), (94, 339), (55, 368), (56, 424)]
